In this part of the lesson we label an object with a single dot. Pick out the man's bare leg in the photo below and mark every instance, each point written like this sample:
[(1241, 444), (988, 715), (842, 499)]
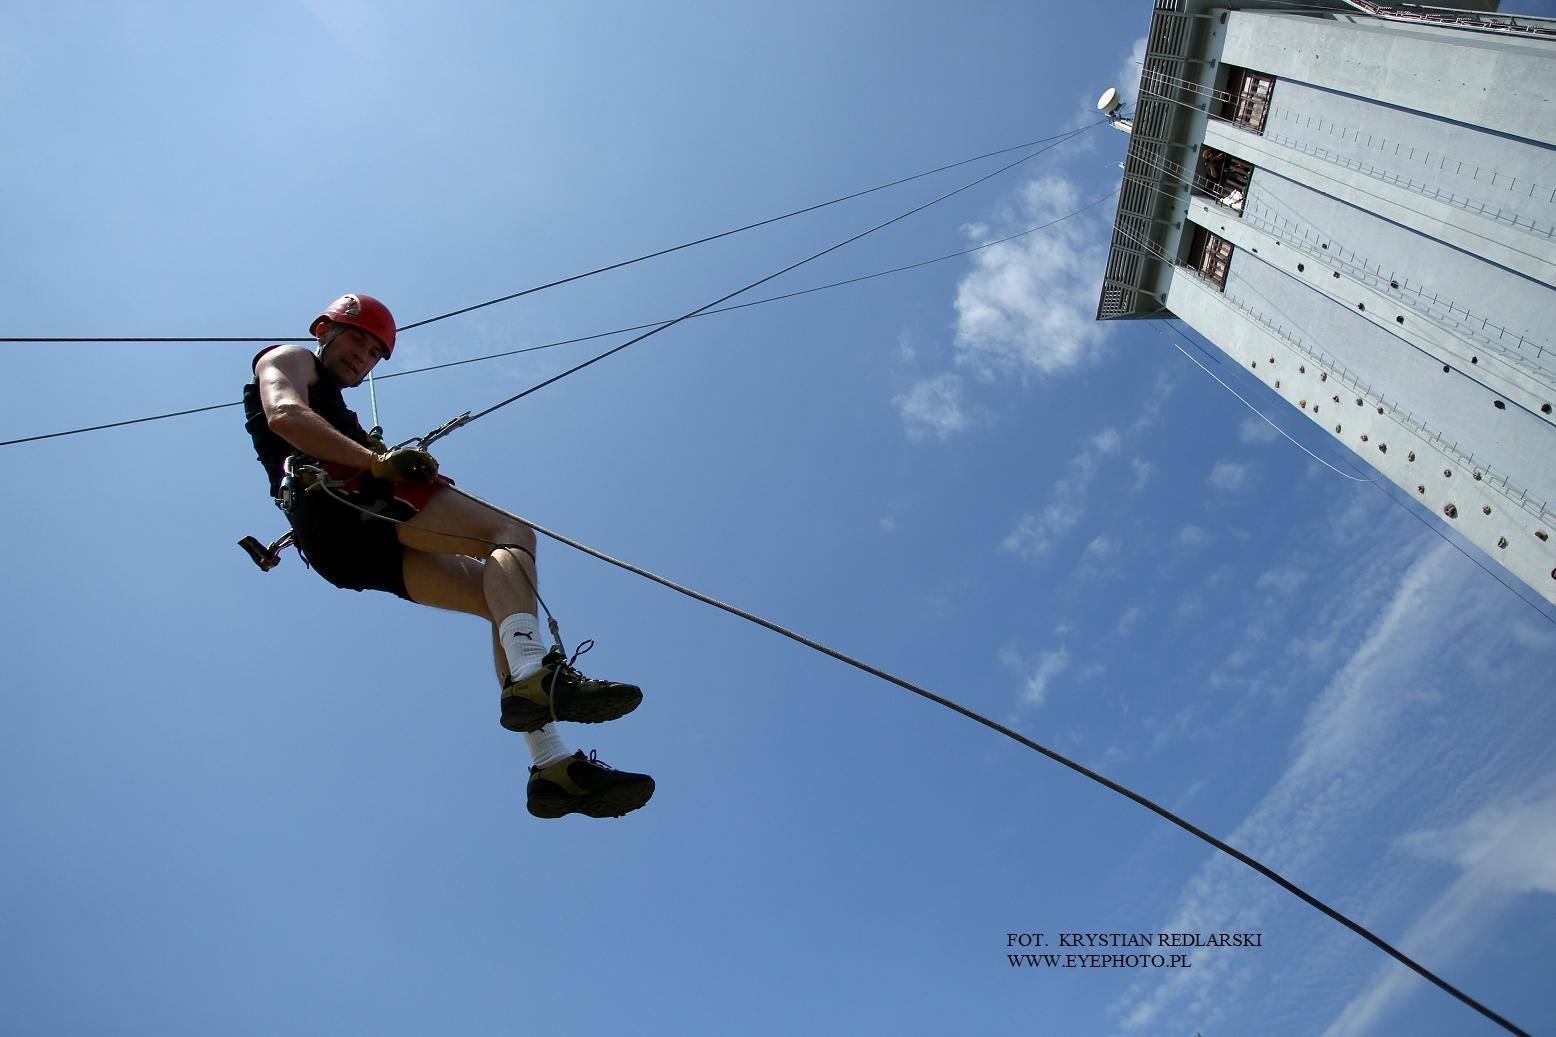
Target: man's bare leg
[(455, 583), (466, 575), (454, 524), (453, 529)]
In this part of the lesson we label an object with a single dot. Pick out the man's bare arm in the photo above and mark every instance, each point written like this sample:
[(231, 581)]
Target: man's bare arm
[(284, 376)]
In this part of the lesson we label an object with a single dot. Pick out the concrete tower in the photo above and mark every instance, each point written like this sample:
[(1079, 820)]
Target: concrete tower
[(1357, 203)]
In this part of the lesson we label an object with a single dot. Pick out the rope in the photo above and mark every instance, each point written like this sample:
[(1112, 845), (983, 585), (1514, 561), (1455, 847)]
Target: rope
[(1057, 757), (954, 706), (598, 270), (596, 335), (465, 420)]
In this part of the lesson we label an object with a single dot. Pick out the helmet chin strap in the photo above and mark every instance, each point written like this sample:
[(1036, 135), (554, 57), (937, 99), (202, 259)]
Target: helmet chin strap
[(372, 394)]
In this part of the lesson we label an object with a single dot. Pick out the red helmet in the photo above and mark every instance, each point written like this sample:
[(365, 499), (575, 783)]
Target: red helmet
[(360, 311)]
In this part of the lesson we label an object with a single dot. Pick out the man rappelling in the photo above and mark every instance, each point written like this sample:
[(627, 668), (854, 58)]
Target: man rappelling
[(381, 519)]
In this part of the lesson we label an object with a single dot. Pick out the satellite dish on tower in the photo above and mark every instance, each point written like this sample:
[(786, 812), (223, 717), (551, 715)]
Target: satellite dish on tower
[(1109, 104)]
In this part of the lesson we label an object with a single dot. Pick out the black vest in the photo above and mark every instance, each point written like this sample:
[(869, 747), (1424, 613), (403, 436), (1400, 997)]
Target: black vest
[(324, 399)]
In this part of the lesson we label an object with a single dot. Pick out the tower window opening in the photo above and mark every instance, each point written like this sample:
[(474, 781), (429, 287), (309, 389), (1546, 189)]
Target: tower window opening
[(1224, 177), (1210, 255), (1248, 101)]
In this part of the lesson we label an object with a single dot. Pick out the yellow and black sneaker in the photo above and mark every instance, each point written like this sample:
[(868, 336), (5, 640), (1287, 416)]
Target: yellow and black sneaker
[(556, 691), (585, 785)]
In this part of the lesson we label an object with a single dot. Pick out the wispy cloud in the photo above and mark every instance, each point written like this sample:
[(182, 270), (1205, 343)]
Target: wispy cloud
[(1127, 79), (1191, 538), (1143, 471), (934, 407), (1505, 849), (1284, 580), (1371, 742), (1257, 430), (1035, 533), (1049, 666), (1127, 621), (1229, 476), (1099, 557), (1189, 606)]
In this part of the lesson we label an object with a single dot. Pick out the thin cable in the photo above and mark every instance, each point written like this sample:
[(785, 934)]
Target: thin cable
[(767, 299), (1257, 411), (792, 266), (119, 424), (600, 334), (1383, 485), (1057, 757), (602, 269), (372, 395)]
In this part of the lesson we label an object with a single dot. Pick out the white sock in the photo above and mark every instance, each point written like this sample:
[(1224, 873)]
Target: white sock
[(520, 636), (546, 746)]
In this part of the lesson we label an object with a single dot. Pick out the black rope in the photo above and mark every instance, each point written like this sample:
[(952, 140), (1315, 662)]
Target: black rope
[(1057, 757), (119, 424), (793, 266), (598, 270), (597, 335)]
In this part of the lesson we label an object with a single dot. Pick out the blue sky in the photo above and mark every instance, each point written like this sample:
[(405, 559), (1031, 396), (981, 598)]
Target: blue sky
[(243, 803)]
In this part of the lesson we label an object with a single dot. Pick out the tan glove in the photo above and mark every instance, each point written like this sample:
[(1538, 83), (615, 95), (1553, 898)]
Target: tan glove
[(407, 464)]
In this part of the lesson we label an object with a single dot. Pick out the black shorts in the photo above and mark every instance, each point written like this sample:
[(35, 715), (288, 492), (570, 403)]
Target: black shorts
[(356, 551)]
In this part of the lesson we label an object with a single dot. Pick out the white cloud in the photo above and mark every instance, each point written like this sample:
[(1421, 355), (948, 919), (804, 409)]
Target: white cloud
[(1511, 843), (1099, 557), (1257, 430), (1127, 621), (1101, 548), (1377, 743), (1142, 470), (1283, 581), (933, 407), (1506, 848), (1189, 606), (1035, 534), (1191, 538), (1049, 666), (1128, 75), (1027, 307), (1229, 476)]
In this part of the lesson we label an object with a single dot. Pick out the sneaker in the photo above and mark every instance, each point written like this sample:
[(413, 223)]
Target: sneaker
[(586, 785), (556, 691)]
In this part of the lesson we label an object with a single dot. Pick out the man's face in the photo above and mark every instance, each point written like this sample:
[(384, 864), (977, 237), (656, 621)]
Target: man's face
[(351, 355)]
